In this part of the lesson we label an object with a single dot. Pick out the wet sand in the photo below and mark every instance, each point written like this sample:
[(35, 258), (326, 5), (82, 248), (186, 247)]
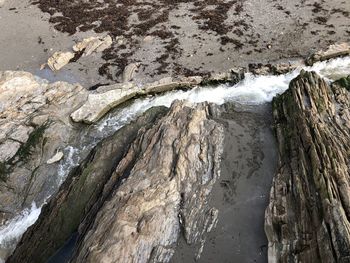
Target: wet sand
[(167, 37), (241, 194)]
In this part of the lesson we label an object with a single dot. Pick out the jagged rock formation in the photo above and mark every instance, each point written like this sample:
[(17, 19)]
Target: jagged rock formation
[(136, 193), (308, 216), (62, 215), (108, 97), (35, 125)]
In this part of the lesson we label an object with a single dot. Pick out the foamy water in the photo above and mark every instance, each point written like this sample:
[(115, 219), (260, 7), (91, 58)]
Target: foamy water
[(252, 90), (12, 233)]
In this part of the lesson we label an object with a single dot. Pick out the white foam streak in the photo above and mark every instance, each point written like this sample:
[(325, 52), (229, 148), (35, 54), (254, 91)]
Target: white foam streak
[(252, 90), (12, 232)]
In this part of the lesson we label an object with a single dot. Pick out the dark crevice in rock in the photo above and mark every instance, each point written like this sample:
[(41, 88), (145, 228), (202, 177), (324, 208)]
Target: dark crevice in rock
[(76, 198), (132, 187)]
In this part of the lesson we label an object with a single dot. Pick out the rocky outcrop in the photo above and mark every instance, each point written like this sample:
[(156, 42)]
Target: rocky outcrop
[(307, 219), (35, 126), (93, 45), (108, 97), (63, 214), (333, 51), (132, 200)]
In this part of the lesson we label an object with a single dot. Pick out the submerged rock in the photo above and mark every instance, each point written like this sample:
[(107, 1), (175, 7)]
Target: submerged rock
[(307, 219), (133, 196)]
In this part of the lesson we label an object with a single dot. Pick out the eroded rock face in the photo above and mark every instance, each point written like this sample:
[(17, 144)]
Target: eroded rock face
[(35, 124), (108, 97), (308, 216), (93, 45), (174, 166), (79, 193), (156, 189)]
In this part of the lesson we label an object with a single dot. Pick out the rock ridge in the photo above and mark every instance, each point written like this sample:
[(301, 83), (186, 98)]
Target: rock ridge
[(307, 219), (158, 189)]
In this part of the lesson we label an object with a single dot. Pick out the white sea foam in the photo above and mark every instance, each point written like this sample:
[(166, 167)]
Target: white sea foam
[(252, 90), (12, 232)]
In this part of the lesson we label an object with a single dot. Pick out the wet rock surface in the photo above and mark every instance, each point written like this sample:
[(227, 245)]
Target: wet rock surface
[(61, 217), (333, 51), (307, 219), (35, 125), (59, 59), (241, 194), (157, 189), (110, 96)]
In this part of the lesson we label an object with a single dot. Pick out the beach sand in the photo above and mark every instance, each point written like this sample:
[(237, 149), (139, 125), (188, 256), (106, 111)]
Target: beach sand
[(167, 37)]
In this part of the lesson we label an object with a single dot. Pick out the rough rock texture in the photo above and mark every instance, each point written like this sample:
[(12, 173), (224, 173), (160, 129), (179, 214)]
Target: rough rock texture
[(63, 214), (171, 169), (108, 97), (59, 59), (35, 124), (307, 219), (93, 44), (99, 103), (333, 51), (147, 193)]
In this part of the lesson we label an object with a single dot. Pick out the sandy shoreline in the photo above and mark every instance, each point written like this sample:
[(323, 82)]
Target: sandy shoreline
[(254, 31)]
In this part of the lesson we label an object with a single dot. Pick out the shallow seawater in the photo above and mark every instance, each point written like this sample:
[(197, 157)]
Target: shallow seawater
[(53, 76), (253, 90)]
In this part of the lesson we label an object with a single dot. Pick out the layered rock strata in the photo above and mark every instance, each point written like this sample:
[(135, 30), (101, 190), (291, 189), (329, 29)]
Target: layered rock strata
[(132, 201), (35, 126), (307, 219), (108, 97)]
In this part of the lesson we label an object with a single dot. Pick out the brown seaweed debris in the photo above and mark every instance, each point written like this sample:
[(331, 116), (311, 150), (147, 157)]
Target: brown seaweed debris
[(114, 17)]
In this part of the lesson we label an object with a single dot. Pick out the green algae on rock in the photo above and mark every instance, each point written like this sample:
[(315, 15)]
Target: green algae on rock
[(61, 217), (344, 82)]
